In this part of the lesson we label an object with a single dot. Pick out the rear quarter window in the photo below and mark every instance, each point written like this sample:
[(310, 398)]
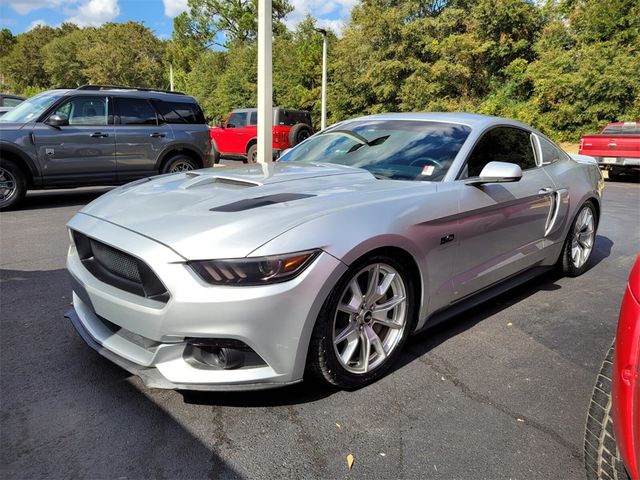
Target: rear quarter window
[(179, 112)]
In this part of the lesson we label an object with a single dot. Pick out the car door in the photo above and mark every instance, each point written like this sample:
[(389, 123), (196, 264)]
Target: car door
[(83, 151), (140, 137), (502, 225), (236, 133)]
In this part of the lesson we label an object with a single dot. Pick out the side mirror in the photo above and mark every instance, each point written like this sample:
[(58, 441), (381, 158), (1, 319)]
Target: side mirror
[(57, 120), (497, 172)]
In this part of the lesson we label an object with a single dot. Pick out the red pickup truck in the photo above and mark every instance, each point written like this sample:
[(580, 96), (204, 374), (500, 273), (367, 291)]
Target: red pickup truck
[(616, 148), (236, 138)]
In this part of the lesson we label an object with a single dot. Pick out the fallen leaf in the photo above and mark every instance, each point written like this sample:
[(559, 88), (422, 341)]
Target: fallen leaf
[(509, 324), (350, 461), (383, 454), (339, 426), (519, 420)]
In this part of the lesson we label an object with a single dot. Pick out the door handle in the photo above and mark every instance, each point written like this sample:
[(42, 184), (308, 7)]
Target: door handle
[(99, 135), (545, 191), (157, 135), (613, 144)]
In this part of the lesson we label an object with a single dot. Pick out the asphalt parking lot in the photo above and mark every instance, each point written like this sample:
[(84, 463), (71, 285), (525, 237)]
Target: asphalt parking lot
[(499, 392)]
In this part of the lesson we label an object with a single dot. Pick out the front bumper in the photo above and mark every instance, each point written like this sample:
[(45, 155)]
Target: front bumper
[(150, 338)]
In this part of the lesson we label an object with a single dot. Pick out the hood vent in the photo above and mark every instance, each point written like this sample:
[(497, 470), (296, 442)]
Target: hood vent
[(250, 203)]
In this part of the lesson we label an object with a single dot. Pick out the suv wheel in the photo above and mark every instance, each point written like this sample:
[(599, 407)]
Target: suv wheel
[(180, 163), (13, 185), (252, 154), (298, 133)]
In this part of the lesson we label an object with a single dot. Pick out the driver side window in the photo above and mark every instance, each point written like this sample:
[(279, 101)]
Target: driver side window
[(237, 120), (85, 111), (501, 144)]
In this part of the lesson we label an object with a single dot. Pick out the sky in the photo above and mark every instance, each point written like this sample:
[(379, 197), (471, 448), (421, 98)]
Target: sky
[(22, 15)]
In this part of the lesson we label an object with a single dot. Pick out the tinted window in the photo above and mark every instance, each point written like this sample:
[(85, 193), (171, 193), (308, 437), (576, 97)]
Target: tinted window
[(237, 120), (85, 111), (11, 102), (135, 111), (253, 118), (291, 117), (502, 144), (395, 149), (179, 112), (629, 129), (550, 153)]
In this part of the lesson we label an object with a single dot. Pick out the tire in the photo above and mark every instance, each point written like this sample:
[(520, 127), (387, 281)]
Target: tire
[(180, 163), (342, 362), (13, 185), (215, 153), (252, 154), (601, 455), (578, 246), (298, 133)]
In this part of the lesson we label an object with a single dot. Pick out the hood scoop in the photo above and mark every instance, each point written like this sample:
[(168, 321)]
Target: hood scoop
[(257, 202), (197, 180)]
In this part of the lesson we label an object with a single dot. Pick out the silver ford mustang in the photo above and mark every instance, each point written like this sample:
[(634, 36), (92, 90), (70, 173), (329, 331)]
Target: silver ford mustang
[(323, 263)]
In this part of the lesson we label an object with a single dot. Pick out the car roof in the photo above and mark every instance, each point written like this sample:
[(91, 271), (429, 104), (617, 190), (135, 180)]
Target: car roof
[(128, 92), (473, 120), (245, 110)]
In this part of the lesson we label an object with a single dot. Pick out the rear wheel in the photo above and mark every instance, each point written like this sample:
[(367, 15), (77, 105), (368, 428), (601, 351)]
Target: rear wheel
[(180, 163), (363, 324), (579, 244), (215, 153), (298, 133), (13, 185), (601, 455)]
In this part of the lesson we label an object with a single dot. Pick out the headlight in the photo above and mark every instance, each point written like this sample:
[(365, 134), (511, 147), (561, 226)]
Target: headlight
[(253, 271)]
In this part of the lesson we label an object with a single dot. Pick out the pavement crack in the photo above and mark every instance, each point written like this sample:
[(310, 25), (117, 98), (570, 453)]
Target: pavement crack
[(221, 441), (445, 369)]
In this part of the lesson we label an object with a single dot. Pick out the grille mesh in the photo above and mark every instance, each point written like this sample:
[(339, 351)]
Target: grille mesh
[(117, 262)]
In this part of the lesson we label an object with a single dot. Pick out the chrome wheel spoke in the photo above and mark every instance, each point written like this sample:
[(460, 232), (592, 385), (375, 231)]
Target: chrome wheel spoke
[(348, 331), (347, 354), (385, 307), (365, 352), (375, 342), (381, 318), (373, 282)]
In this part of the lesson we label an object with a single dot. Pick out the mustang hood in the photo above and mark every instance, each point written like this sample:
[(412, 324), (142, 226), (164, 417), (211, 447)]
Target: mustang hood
[(229, 212)]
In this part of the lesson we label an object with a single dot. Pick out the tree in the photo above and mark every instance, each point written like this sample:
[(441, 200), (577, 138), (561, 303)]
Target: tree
[(61, 57), (124, 54), (224, 22)]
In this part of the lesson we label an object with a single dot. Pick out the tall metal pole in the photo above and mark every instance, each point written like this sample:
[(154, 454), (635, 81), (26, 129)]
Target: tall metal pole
[(171, 76), (265, 87), (323, 118)]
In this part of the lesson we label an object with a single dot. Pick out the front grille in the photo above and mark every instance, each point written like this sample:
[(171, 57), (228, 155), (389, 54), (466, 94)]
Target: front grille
[(119, 269), (117, 262)]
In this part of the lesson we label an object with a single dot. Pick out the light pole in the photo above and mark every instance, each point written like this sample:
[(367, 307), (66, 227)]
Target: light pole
[(323, 115), (265, 86)]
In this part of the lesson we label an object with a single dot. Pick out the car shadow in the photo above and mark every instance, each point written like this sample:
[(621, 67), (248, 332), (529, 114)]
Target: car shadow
[(38, 199)]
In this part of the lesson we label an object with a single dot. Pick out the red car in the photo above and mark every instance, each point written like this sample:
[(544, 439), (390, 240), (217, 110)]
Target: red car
[(236, 138), (616, 149), (612, 436)]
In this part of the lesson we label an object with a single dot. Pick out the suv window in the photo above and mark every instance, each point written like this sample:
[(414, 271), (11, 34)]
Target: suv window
[(135, 111), (291, 117), (85, 110), (550, 153), (237, 120), (11, 102), (501, 144), (179, 112), (253, 118)]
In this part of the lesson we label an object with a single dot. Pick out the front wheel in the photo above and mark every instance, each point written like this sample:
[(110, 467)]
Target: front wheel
[(13, 185), (579, 244), (363, 324)]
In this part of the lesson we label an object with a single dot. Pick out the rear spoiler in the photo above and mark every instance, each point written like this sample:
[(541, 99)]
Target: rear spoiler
[(583, 158)]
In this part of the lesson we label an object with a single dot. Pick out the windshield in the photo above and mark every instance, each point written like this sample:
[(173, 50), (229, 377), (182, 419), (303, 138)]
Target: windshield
[(396, 149), (31, 108)]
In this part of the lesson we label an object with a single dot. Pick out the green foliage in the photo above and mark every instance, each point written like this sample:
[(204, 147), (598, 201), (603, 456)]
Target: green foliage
[(564, 66)]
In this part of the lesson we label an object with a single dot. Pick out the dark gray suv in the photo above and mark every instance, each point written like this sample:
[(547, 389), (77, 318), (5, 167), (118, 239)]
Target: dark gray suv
[(98, 135)]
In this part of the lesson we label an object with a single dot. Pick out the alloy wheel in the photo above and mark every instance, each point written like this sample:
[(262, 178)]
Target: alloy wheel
[(583, 237), (370, 318), (181, 167), (8, 185)]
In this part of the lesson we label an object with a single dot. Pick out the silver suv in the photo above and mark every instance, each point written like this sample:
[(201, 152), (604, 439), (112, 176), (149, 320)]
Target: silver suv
[(98, 135)]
